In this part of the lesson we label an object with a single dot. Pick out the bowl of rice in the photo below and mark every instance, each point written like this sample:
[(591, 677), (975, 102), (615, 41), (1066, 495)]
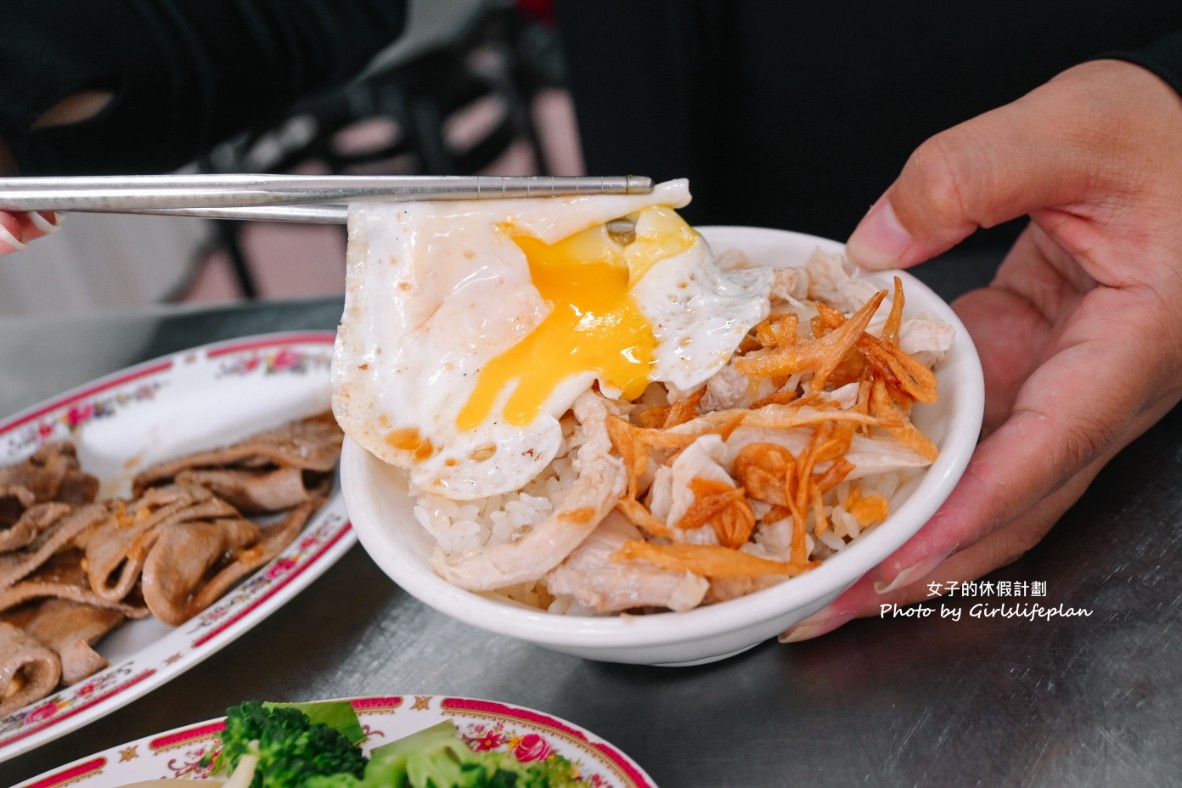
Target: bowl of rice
[(799, 547)]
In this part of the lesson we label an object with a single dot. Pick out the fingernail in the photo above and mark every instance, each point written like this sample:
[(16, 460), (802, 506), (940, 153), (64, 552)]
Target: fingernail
[(10, 240), (910, 574), (45, 225), (810, 628), (879, 240)]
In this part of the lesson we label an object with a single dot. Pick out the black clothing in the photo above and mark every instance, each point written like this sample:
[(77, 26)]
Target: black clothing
[(186, 74), (782, 114), (798, 115), (1163, 57)]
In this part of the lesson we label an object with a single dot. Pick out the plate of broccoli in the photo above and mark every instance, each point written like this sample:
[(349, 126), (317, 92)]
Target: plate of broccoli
[(399, 741)]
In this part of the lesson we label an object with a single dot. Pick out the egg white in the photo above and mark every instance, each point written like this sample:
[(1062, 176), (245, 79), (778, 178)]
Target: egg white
[(435, 290)]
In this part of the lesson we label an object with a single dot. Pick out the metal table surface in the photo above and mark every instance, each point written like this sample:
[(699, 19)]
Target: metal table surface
[(986, 701)]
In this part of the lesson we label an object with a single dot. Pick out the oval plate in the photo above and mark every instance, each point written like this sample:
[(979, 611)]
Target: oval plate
[(189, 401), (485, 725)]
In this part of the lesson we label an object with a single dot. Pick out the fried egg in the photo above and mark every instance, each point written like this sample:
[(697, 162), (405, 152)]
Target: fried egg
[(470, 327)]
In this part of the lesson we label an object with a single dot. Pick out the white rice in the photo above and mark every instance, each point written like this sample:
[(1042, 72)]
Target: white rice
[(463, 525)]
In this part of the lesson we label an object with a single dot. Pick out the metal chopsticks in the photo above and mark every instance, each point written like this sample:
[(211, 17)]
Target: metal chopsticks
[(303, 213), (309, 198)]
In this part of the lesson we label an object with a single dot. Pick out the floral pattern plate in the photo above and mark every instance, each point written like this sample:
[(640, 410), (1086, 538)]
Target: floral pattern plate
[(189, 401), (485, 725)]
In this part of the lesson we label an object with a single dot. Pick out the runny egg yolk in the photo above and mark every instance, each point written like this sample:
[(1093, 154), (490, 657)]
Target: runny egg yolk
[(594, 322)]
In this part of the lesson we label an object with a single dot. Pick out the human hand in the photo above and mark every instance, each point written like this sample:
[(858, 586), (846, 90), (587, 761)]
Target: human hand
[(1080, 332), (18, 229)]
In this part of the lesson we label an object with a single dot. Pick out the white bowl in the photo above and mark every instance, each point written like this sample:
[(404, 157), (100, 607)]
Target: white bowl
[(381, 511)]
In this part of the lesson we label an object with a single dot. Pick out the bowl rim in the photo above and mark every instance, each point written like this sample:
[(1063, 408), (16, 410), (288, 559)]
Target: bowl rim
[(835, 574)]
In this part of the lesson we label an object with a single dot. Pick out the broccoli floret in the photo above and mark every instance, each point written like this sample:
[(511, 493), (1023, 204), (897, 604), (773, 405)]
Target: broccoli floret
[(503, 770), (290, 747), (438, 758), (295, 748), (432, 756)]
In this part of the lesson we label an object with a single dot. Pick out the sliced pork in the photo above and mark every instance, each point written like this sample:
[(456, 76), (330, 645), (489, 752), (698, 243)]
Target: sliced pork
[(30, 523), (72, 569), (28, 669), (117, 548), (271, 471), (63, 577), (71, 629), (259, 491), (57, 526), (191, 564), (14, 499), (52, 473)]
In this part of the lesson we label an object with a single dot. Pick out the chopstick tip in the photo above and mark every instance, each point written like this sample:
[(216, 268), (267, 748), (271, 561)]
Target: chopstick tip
[(638, 184)]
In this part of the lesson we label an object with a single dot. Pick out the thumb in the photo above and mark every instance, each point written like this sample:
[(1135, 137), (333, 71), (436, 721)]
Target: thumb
[(1031, 154)]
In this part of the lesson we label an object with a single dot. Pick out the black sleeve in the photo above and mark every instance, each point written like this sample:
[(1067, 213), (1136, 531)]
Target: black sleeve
[(799, 115), (185, 74), (1163, 57)]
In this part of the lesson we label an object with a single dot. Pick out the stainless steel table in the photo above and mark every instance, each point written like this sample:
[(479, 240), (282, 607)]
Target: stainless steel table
[(979, 701)]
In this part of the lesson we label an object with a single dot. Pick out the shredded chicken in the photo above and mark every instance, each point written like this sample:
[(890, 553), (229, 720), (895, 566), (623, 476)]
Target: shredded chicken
[(756, 476), (671, 496), (595, 581)]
